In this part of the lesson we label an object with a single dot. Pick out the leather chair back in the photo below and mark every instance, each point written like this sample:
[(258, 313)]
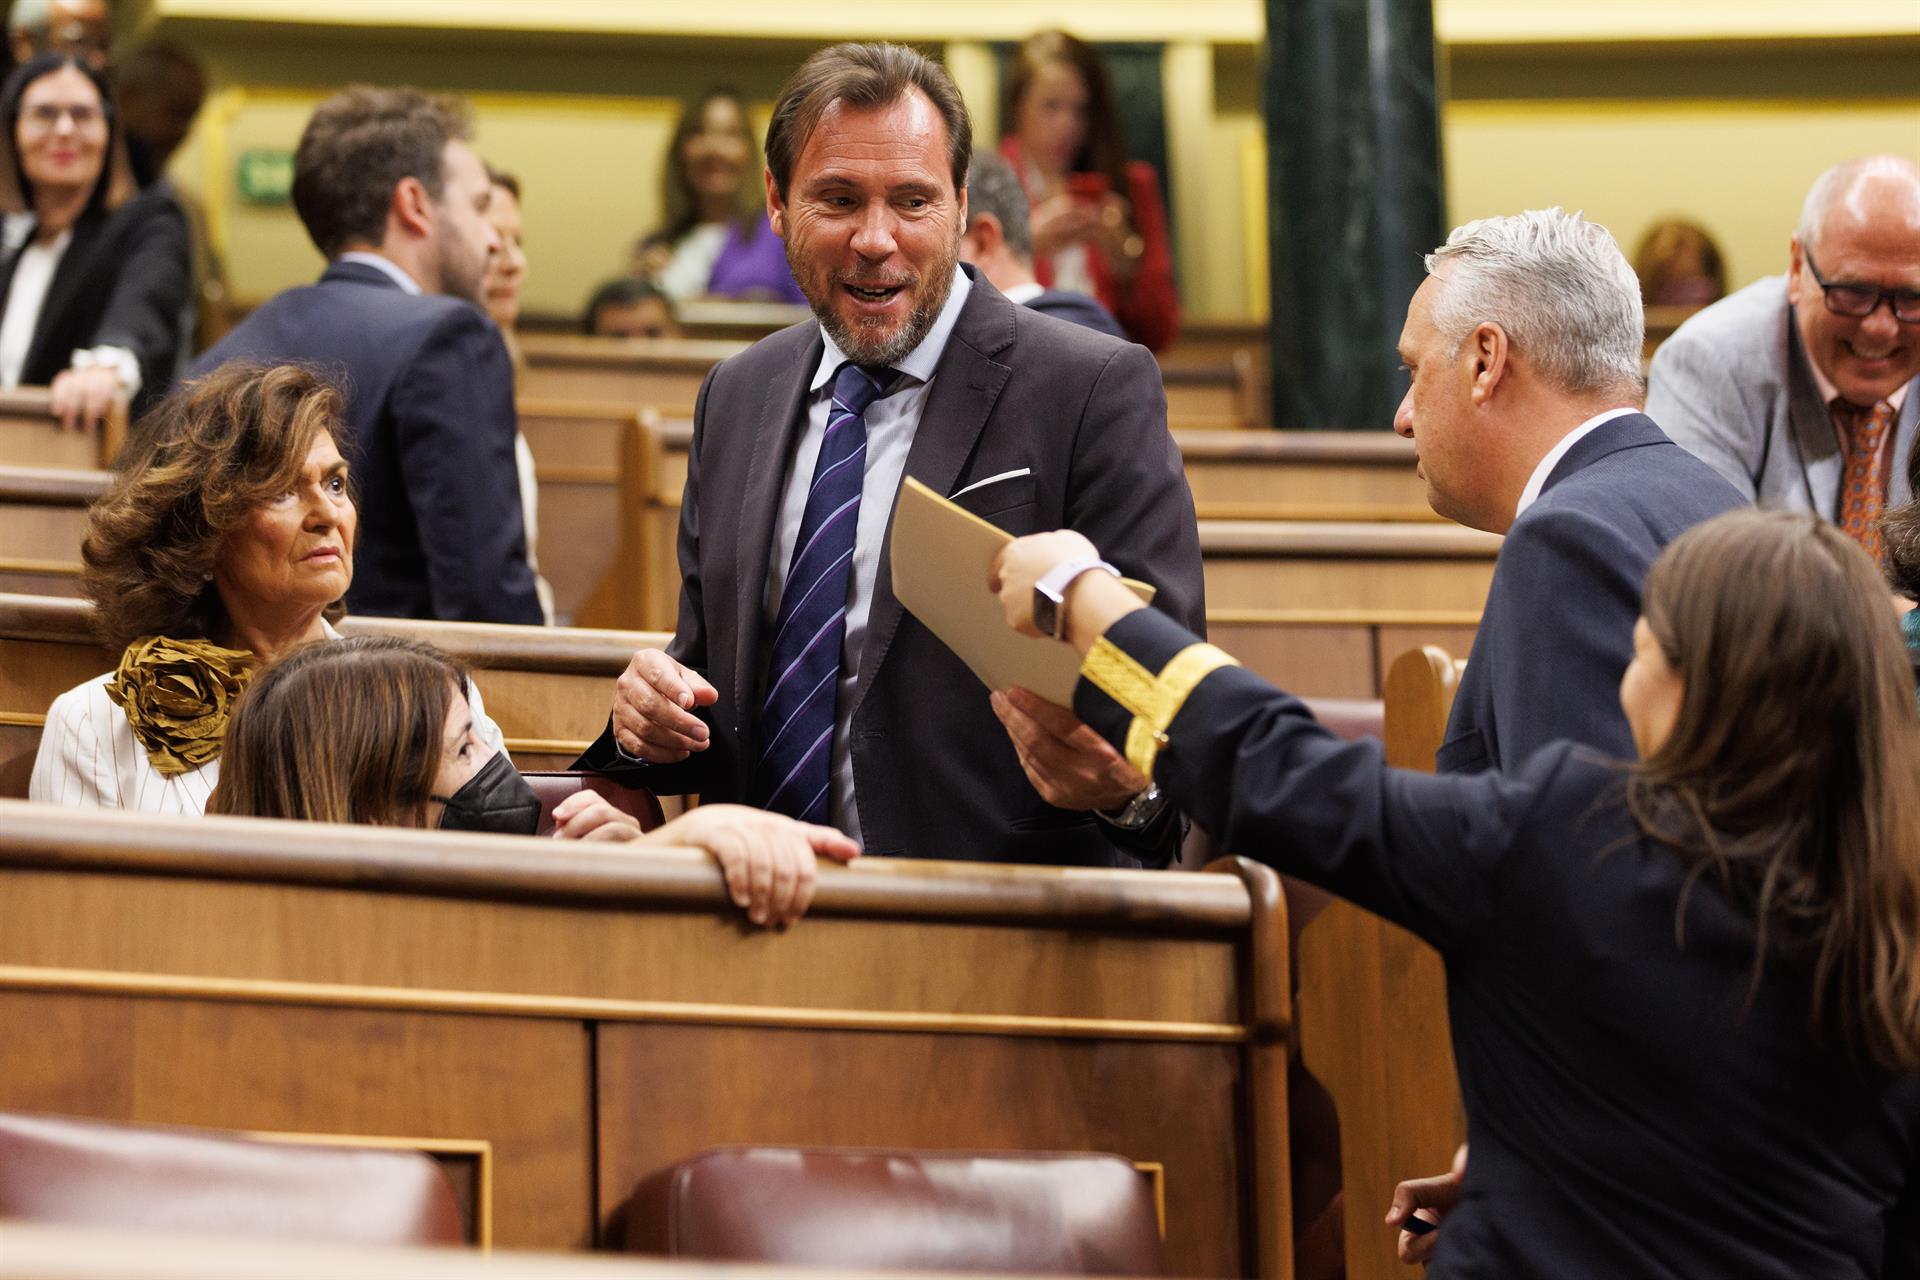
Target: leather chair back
[(553, 787), (1061, 1214), (87, 1173)]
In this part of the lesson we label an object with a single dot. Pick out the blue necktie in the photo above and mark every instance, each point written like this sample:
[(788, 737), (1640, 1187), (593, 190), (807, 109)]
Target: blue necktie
[(796, 719)]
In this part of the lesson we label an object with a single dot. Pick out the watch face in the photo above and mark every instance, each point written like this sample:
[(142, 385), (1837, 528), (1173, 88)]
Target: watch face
[(1046, 613)]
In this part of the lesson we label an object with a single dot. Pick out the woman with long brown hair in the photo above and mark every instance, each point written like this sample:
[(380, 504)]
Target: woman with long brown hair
[(1099, 226), (1685, 994), (93, 297), (715, 241), (380, 730)]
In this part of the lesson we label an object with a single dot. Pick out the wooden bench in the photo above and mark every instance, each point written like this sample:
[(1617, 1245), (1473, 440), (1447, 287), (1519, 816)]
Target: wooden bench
[(31, 436), (1223, 394), (43, 517), (663, 372), (1274, 564), (1373, 1011), (548, 688), (1303, 475), (566, 1020)]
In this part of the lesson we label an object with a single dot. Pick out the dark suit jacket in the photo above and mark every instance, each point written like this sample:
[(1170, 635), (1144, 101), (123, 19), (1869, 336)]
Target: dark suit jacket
[(430, 402), (121, 282), (1630, 1113), (934, 771), (1557, 632), (1078, 308)]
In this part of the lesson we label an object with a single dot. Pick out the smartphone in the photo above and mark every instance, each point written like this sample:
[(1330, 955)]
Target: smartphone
[(1418, 1226), (1088, 186)]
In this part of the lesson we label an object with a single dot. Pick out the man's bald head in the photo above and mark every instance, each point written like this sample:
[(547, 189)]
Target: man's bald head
[(1860, 230), (1883, 190)]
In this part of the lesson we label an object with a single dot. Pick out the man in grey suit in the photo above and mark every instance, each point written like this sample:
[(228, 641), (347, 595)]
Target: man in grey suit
[(795, 679), (1799, 388)]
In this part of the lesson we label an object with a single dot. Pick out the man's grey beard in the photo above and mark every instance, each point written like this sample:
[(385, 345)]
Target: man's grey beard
[(867, 349)]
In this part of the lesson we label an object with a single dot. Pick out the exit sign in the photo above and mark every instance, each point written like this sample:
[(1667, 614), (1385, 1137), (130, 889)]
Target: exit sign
[(265, 175)]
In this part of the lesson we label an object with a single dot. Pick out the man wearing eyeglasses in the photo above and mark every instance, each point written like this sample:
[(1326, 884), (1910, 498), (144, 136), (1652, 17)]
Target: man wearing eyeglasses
[(1800, 389)]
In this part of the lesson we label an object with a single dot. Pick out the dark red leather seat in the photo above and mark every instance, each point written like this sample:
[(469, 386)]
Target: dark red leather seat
[(87, 1173), (553, 787), (1054, 1213)]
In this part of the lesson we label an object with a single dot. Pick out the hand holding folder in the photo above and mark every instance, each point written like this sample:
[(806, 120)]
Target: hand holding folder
[(941, 555)]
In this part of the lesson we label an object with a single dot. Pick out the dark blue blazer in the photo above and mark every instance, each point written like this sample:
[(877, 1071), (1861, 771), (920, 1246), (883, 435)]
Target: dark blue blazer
[(1557, 632), (1637, 1106), (1079, 308), (429, 392)]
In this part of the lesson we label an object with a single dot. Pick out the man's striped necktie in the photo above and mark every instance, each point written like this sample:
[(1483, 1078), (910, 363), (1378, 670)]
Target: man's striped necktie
[(796, 718)]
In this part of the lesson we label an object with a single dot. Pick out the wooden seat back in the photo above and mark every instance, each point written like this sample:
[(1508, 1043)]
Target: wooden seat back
[(31, 436), (43, 517), (1372, 1003)]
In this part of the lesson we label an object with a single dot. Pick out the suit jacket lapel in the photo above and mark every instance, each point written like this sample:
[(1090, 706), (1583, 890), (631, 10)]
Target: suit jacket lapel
[(1811, 428), (775, 427), (966, 383), (1631, 431), (73, 270)]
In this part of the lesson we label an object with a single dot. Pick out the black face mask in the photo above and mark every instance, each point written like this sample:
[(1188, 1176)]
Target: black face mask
[(496, 799)]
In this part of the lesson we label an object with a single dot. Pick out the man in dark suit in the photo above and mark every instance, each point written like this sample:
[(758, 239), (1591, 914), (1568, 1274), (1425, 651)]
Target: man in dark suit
[(1524, 345), (795, 679), (390, 191), (999, 241)]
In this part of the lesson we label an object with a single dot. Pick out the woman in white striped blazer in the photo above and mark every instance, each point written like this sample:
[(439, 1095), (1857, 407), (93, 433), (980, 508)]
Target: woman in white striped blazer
[(225, 542)]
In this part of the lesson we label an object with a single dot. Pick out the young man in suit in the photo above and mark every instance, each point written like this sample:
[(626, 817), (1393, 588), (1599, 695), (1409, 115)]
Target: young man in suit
[(1524, 349), (1799, 389), (795, 679), (999, 241), (395, 198)]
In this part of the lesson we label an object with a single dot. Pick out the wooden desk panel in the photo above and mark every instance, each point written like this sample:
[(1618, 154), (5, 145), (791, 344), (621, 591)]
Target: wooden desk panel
[(891, 1089), (520, 1084), (298, 977)]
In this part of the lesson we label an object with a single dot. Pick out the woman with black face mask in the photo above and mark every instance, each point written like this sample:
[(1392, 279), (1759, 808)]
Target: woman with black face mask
[(378, 730)]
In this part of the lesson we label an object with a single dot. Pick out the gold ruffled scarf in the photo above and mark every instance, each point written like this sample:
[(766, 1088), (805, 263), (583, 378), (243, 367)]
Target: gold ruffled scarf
[(177, 695)]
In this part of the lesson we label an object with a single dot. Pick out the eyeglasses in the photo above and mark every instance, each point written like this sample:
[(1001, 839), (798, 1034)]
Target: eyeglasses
[(45, 116), (1861, 300)]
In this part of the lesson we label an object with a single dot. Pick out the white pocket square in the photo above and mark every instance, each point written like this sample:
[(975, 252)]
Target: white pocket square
[(981, 484)]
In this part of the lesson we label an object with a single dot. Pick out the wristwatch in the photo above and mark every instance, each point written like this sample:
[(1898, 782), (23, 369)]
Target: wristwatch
[(1050, 593), (1137, 812)]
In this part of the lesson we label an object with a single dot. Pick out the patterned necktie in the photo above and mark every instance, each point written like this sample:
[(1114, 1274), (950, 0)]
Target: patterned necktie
[(1864, 434), (796, 719)]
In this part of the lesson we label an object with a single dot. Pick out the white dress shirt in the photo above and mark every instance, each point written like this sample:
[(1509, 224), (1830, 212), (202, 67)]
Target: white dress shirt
[(690, 270), (891, 425), (1538, 480), (89, 757), (27, 297), (387, 266)]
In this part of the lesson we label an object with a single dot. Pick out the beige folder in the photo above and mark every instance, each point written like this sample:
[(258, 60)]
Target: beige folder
[(940, 553)]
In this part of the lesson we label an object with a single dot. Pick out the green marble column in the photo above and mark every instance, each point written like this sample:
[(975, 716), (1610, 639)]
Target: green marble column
[(1354, 193)]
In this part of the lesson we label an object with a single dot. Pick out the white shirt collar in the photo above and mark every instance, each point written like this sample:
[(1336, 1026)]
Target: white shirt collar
[(918, 363), (388, 265), (1538, 480), (1021, 294)]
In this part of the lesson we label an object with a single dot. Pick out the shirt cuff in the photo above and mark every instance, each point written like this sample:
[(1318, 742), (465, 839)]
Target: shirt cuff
[(125, 365)]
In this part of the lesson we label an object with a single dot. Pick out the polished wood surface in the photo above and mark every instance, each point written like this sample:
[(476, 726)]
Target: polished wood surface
[(31, 436), (1273, 564), (1373, 1011), (576, 448), (593, 1013), (661, 372), (70, 1253), (1300, 475)]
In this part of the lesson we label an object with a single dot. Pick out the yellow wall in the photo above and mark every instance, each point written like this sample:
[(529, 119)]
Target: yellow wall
[(1630, 109), (1741, 169)]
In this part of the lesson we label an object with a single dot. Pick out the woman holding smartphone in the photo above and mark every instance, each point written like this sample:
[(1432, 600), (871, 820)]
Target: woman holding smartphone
[(1099, 227)]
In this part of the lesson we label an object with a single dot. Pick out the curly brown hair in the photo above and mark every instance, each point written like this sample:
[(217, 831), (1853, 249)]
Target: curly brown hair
[(198, 464)]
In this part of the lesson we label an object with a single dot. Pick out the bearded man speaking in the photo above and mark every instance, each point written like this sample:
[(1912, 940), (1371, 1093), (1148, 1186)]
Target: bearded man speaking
[(795, 680)]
